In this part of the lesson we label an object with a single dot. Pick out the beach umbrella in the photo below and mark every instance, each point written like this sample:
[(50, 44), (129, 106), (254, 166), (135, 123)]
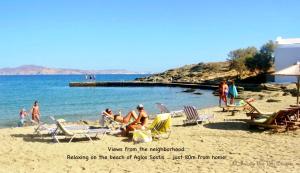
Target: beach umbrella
[(293, 70)]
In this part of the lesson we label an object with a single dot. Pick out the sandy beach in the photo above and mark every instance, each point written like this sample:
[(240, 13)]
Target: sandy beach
[(219, 146), (88, 86)]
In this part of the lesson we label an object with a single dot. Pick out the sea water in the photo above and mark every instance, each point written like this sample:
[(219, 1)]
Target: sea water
[(57, 99)]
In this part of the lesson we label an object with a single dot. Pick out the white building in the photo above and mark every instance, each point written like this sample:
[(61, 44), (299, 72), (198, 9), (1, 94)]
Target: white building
[(286, 54)]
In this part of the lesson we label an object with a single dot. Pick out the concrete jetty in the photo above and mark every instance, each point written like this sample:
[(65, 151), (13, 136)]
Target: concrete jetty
[(141, 84)]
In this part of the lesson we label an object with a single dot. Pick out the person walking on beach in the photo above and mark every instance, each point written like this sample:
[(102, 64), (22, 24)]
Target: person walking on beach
[(22, 116), (223, 90), (35, 112), (232, 92)]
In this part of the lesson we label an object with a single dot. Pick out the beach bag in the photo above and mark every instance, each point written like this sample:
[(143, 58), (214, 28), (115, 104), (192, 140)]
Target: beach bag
[(140, 136), (242, 103)]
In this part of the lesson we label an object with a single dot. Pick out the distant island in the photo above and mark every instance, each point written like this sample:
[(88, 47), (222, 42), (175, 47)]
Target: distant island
[(40, 70)]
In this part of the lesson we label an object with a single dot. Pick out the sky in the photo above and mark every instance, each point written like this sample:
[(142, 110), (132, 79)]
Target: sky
[(140, 36)]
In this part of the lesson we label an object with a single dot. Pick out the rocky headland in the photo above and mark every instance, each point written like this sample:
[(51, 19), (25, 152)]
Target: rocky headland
[(249, 84)]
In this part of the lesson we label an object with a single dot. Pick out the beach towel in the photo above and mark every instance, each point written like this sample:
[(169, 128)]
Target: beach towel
[(232, 91), (142, 136)]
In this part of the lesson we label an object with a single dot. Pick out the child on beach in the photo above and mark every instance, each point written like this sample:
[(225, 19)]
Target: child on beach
[(22, 116)]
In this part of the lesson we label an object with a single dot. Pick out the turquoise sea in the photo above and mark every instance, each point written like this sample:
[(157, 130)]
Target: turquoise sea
[(56, 98)]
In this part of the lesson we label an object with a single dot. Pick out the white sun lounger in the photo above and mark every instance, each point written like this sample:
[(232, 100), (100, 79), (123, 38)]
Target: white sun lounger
[(76, 131), (43, 128), (49, 129), (163, 109), (192, 116)]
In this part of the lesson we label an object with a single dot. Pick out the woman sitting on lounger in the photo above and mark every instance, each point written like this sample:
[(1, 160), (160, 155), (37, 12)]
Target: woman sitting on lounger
[(130, 117), (137, 121), (141, 120), (109, 113)]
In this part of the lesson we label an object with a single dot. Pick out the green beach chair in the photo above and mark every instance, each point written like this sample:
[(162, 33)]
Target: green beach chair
[(160, 128)]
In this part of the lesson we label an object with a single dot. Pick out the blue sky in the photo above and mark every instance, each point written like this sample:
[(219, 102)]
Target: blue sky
[(137, 35)]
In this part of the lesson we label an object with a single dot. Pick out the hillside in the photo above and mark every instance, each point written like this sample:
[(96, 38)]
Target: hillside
[(196, 73), (40, 70)]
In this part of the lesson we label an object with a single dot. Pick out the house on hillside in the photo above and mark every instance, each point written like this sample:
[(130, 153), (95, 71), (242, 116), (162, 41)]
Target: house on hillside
[(286, 54)]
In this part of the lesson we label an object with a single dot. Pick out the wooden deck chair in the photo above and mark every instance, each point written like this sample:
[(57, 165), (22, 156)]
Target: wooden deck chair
[(78, 131), (254, 112), (292, 117), (241, 106), (296, 114), (163, 109), (275, 121), (192, 116)]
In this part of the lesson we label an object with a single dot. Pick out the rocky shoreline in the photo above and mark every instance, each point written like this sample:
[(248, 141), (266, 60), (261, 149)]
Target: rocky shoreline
[(206, 73), (248, 85)]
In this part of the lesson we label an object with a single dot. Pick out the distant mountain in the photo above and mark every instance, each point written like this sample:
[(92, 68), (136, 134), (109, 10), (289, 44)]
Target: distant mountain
[(40, 70)]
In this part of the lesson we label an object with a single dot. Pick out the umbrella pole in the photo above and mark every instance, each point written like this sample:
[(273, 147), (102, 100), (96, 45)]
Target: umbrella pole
[(298, 83)]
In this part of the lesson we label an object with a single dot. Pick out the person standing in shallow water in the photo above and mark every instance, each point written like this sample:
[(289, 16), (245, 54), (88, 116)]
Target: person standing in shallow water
[(35, 112), (22, 116)]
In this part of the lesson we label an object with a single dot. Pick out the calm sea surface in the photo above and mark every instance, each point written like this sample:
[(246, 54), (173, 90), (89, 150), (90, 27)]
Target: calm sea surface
[(56, 98)]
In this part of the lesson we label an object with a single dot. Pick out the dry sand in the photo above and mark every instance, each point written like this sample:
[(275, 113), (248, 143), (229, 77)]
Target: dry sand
[(243, 150)]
